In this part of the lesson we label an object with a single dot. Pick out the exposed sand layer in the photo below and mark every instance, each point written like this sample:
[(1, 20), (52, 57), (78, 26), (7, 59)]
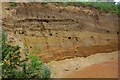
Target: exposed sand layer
[(108, 69), (55, 32), (77, 42), (65, 68)]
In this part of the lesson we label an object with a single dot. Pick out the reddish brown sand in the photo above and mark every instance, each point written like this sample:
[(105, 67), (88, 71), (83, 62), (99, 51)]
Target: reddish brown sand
[(107, 69)]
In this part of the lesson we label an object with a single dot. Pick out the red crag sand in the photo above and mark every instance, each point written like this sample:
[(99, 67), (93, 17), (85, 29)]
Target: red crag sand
[(107, 69)]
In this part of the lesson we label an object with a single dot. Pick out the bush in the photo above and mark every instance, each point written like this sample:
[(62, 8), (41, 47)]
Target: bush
[(12, 4), (14, 67)]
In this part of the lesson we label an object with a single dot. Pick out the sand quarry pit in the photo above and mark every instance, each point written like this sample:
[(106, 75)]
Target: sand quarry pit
[(71, 40)]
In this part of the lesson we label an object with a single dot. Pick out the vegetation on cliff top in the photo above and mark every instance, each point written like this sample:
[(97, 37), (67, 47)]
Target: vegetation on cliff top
[(103, 6)]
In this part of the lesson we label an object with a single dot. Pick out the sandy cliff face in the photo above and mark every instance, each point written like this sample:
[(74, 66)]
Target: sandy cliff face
[(57, 32)]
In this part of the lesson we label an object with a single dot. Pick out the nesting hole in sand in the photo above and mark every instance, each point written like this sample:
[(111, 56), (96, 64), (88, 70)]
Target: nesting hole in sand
[(50, 34), (117, 33), (108, 31), (108, 40), (69, 37), (92, 37), (76, 38)]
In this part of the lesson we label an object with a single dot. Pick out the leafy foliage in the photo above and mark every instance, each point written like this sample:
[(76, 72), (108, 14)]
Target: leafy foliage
[(12, 4), (13, 66), (103, 6)]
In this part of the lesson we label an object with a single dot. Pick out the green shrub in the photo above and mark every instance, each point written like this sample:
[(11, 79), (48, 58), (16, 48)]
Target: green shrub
[(13, 66), (12, 4)]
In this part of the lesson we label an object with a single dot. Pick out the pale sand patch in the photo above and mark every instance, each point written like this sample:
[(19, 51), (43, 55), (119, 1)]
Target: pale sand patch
[(59, 68), (108, 69)]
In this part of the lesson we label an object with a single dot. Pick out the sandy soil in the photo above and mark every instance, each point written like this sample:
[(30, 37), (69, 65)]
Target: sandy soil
[(108, 69), (73, 66)]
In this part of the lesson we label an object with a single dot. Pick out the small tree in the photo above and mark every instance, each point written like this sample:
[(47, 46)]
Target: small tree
[(14, 67)]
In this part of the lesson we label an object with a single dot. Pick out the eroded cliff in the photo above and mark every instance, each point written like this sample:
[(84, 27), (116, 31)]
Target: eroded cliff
[(56, 32)]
